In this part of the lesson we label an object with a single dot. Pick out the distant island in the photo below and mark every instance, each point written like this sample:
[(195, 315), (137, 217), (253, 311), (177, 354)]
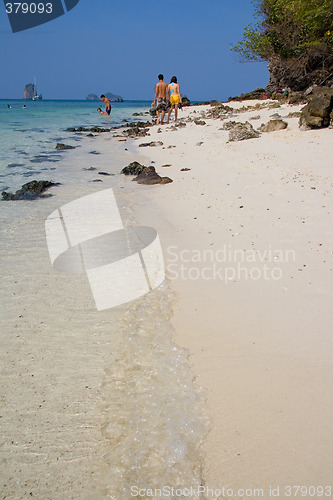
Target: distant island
[(30, 92), (109, 95)]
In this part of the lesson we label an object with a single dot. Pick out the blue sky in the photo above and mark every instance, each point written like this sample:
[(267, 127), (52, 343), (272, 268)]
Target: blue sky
[(121, 46)]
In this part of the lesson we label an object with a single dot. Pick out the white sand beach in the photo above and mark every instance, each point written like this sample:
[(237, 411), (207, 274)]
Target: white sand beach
[(260, 338)]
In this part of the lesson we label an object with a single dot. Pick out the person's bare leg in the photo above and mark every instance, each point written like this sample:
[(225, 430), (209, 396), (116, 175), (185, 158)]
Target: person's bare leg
[(176, 112), (169, 114), (158, 117), (162, 116)]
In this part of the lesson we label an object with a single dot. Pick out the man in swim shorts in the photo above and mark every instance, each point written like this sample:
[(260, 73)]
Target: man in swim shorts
[(107, 104), (161, 99), (175, 97)]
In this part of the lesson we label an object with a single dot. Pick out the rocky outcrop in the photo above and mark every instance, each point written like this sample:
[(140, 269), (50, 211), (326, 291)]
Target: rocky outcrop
[(29, 191), (133, 168), (294, 74), (273, 126), (29, 91), (242, 132), (317, 113), (149, 176), (258, 93)]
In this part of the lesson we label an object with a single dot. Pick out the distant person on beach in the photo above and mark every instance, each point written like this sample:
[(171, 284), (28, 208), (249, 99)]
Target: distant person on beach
[(100, 111), (175, 97), (107, 104), (161, 99)]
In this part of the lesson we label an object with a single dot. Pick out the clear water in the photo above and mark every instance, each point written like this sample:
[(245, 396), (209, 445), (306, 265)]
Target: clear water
[(28, 136), (126, 412)]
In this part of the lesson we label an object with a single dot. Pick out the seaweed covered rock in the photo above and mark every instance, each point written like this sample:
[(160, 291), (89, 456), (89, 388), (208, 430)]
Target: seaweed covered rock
[(133, 168), (137, 129), (150, 176), (29, 191), (242, 132)]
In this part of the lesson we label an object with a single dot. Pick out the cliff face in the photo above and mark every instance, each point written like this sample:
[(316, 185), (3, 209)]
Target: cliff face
[(297, 74), (29, 91)]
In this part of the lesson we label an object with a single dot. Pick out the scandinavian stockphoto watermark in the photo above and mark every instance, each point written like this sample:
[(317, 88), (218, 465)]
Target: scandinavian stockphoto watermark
[(227, 264), (32, 13), (87, 236)]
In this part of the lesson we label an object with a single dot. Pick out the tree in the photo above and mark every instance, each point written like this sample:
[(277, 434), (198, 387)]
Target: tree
[(295, 37)]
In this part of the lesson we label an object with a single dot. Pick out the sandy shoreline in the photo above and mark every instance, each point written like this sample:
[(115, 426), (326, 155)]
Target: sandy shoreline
[(247, 245), (260, 346)]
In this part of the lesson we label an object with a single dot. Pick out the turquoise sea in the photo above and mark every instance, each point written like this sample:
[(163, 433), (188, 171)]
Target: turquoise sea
[(28, 136), (95, 404)]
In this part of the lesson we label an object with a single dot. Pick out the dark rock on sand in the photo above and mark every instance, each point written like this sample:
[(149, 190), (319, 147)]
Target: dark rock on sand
[(273, 126), (137, 129), (134, 168), (149, 176), (151, 144), (199, 122), (30, 191), (61, 146), (316, 113), (242, 132), (104, 173)]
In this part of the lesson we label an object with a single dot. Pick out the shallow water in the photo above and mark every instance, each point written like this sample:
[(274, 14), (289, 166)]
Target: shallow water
[(28, 136), (94, 403)]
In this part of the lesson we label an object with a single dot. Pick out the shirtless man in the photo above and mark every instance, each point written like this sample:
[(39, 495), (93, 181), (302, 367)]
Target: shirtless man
[(161, 98), (107, 104)]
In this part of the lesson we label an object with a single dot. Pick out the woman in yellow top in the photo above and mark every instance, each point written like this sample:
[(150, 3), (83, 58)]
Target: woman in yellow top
[(175, 98)]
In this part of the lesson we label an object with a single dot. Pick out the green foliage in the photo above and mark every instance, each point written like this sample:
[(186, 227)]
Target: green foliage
[(288, 29)]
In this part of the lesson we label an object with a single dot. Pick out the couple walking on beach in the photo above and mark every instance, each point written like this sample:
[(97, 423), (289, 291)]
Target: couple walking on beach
[(167, 98)]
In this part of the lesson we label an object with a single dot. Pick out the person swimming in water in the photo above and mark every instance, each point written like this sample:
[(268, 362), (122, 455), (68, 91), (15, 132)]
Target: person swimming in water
[(100, 111), (175, 97), (107, 104)]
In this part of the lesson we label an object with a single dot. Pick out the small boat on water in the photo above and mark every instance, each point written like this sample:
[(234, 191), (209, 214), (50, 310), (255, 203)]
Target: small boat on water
[(36, 96)]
